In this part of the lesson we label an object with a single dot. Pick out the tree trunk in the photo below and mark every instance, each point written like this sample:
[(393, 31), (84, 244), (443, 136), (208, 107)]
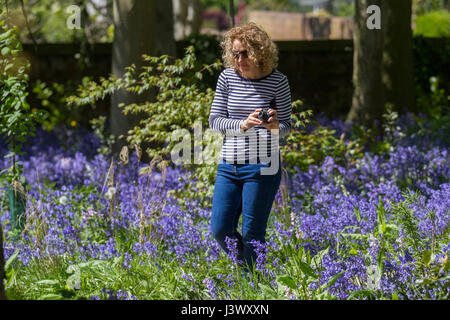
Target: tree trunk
[(398, 77), (140, 27), (165, 41), (180, 8), (367, 102), (197, 18), (2, 267), (232, 13), (188, 17)]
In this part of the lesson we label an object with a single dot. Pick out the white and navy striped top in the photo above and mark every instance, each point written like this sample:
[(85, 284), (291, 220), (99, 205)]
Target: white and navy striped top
[(235, 98)]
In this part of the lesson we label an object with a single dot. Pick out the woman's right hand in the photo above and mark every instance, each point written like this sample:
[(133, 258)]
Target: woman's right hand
[(252, 119)]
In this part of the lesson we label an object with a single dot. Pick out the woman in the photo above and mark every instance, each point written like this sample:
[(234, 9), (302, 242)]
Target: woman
[(249, 174)]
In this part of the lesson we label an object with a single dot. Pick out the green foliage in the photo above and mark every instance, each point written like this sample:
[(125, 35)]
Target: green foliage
[(215, 4), (431, 59), (178, 106), (430, 272), (436, 108), (433, 24), (437, 103), (16, 122), (391, 132), (156, 276), (52, 99), (207, 49), (344, 9), (302, 273), (277, 5), (48, 21), (421, 7), (159, 275), (397, 234), (303, 148), (100, 130)]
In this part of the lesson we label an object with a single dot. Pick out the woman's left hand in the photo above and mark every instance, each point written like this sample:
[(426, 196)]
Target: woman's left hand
[(272, 123)]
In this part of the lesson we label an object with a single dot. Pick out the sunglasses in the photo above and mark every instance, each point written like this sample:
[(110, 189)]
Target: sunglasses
[(242, 53)]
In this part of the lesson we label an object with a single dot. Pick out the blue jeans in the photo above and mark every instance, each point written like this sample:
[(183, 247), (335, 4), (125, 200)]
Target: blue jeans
[(242, 188)]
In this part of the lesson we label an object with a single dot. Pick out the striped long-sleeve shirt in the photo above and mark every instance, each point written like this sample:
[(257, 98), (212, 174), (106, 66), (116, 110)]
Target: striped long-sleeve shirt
[(237, 97)]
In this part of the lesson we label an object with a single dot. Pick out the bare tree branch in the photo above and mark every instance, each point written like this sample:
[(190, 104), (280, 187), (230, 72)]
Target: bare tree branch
[(28, 25)]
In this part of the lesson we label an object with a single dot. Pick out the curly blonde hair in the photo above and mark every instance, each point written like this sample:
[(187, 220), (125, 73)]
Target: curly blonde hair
[(262, 51)]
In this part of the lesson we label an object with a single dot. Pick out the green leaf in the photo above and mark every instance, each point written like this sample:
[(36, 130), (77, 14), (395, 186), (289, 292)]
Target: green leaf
[(380, 265), (426, 257), (51, 296), (269, 293), (6, 34), (287, 281), (6, 51), (10, 260), (317, 259), (9, 277), (331, 281), (364, 293), (381, 217), (358, 214), (424, 282), (446, 264), (199, 75), (48, 282), (307, 270)]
